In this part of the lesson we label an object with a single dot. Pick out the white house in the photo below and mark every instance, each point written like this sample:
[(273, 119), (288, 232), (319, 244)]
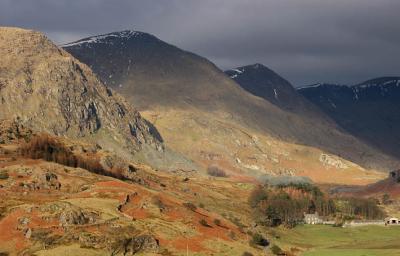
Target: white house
[(312, 218), (392, 221)]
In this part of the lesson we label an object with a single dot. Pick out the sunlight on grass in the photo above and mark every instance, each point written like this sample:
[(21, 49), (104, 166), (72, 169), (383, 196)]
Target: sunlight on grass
[(326, 240)]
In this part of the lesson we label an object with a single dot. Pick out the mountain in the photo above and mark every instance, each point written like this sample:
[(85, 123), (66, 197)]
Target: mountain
[(74, 190), (261, 81), (147, 70), (265, 83), (205, 115), (369, 110), (66, 193), (48, 90)]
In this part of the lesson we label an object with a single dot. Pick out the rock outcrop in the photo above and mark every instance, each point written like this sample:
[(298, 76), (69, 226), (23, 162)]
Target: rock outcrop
[(134, 245), (328, 160), (75, 216), (11, 131), (46, 89)]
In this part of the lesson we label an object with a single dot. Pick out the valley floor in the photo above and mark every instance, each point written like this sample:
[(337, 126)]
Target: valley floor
[(321, 240)]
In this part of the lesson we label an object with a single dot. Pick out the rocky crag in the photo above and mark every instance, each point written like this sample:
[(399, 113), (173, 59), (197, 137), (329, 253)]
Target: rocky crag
[(44, 88)]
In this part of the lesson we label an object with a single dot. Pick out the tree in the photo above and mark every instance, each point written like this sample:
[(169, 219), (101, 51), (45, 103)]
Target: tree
[(386, 199), (4, 175), (190, 206), (215, 171), (258, 239), (286, 203), (276, 250), (257, 195), (217, 222), (204, 223)]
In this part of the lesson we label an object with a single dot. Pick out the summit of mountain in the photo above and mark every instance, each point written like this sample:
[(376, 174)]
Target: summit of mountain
[(263, 82)]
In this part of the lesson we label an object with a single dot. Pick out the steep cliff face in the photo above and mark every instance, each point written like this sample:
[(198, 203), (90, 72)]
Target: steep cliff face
[(46, 89)]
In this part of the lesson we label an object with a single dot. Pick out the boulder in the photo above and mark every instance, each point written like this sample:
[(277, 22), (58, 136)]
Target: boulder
[(134, 245)]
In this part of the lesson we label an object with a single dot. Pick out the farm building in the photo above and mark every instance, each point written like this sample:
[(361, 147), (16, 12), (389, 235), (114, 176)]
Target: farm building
[(392, 221), (312, 219)]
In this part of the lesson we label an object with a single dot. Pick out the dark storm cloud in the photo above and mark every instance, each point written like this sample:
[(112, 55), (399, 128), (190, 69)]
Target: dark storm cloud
[(343, 41)]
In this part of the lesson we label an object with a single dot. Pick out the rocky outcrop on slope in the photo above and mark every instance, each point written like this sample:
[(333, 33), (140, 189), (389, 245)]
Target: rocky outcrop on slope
[(46, 89), (11, 131), (142, 243), (76, 216)]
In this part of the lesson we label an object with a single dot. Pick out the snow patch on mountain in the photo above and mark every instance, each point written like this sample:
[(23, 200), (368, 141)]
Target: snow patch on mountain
[(309, 86), (317, 85), (275, 94), (127, 34), (237, 72), (355, 91), (358, 87)]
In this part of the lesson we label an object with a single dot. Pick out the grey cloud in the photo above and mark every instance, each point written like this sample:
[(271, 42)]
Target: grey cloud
[(342, 41)]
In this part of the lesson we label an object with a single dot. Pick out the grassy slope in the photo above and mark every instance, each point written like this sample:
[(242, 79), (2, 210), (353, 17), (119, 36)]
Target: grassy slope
[(211, 138)]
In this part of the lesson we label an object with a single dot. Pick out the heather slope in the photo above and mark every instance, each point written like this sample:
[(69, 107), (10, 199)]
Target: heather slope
[(49, 208)]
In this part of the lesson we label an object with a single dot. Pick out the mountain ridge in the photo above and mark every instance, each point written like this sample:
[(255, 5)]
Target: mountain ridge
[(161, 78), (367, 110), (98, 38), (263, 82)]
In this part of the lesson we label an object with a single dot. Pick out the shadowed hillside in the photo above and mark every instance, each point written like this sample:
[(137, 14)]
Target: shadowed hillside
[(161, 78), (369, 111)]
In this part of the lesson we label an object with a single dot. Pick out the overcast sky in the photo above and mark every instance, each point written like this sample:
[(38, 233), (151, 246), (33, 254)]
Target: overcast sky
[(306, 41)]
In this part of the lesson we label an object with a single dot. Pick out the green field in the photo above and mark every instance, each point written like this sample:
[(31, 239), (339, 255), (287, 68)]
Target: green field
[(319, 240)]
